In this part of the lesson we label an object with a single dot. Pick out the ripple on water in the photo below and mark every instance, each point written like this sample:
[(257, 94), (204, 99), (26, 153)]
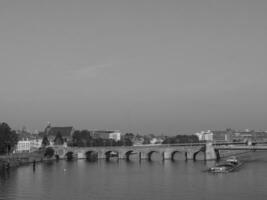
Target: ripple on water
[(133, 180)]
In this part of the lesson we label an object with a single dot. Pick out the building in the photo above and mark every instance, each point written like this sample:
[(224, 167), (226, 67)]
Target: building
[(156, 140), (222, 136), (28, 145), (23, 146), (261, 136), (65, 131), (27, 142), (35, 144), (138, 141), (247, 135), (104, 134), (230, 135), (205, 135)]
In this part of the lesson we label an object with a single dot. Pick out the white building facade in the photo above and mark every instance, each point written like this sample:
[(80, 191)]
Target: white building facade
[(115, 135), (23, 146), (105, 134), (205, 135), (28, 145)]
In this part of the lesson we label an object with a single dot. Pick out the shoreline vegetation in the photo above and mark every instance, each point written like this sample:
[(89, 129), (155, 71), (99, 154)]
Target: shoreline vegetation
[(20, 159)]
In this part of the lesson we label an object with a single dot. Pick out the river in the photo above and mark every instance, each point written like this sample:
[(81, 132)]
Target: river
[(134, 180)]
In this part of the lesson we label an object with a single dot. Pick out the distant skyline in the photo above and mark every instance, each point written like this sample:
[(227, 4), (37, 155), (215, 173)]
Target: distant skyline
[(145, 66)]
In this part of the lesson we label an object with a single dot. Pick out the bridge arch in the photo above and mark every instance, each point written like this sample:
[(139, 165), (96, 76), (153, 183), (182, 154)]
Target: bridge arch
[(130, 153), (59, 153), (199, 155), (111, 154), (151, 152), (182, 155), (91, 155), (69, 155)]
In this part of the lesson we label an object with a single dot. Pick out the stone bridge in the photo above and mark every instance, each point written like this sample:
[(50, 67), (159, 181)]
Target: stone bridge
[(167, 152)]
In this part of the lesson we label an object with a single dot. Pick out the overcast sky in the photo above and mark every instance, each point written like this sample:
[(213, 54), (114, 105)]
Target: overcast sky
[(145, 66)]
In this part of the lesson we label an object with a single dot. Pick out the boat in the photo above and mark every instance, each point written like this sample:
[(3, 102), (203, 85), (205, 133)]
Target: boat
[(233, 160), (231, 164)]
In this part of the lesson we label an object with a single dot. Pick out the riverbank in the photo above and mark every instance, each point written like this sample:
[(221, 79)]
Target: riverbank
[(227, 153), (16, 160)]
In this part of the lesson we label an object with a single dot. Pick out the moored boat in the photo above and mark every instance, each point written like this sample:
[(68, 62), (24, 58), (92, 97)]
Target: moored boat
[(231, 164), (233, 160)]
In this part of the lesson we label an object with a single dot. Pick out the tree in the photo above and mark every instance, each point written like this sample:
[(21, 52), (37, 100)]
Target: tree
[(45, 141), (82, 138), (49, 152), (8, 138), (58, 139), (130, 136), (146, 140), (128, 139), (119, 143), (181, 139), (98, 142)]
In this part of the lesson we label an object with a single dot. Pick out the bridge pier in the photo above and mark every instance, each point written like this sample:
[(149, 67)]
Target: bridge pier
[(210, 153), (101, 155), (143, 156), (167, 155), (81, 155), (189, 155), (122, 155)]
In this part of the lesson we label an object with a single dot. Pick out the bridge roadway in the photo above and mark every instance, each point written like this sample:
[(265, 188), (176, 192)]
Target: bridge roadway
[(190, 151), (242, 147)]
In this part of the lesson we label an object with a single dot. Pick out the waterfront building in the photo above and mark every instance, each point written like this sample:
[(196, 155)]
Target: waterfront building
[(222, 135), (138, 141), (230, 135), (27, 142), (28, 145), (205, 135), (247, 135), (65, 131), (35, 144), (105, 134), (23, 146), (261, 136), (156, 140)]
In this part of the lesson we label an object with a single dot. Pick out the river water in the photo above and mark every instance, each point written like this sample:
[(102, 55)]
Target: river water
[(134, 180)]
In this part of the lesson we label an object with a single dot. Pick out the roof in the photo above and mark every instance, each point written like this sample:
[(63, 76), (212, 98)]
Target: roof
[(64, 131), (25, 136)]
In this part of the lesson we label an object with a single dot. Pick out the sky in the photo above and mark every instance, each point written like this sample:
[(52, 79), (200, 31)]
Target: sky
[(143, 66)]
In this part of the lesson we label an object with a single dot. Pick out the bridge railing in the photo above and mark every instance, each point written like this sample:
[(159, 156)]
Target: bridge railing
[(239, 143), (168, 145), (201, 144), (178, 145)]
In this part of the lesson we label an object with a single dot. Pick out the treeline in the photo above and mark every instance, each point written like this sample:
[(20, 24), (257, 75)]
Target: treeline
[(181, 139), (8, 138), (85, 139)]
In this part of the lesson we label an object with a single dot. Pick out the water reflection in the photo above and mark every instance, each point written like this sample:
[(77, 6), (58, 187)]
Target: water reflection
[(130, 180)]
